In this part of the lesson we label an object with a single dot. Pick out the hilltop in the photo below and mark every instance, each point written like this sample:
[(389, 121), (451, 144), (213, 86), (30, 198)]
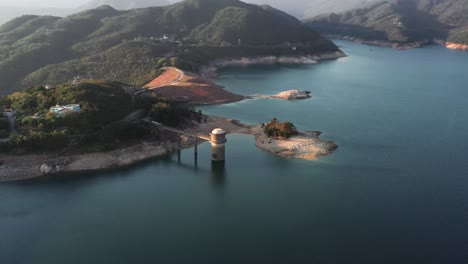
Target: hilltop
[(409, 22), (130, 46), (311, 8), (123, 4), (8, 13)]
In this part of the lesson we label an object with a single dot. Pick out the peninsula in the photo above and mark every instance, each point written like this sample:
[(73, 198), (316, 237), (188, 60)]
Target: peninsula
[(101, 126), (304, 145)]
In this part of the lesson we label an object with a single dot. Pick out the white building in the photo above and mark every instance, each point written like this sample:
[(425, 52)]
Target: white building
[(62, 110)]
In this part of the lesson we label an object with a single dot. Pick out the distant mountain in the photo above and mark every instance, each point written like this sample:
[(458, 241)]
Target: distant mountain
[(309, 8), (318, 7), (7, 13), (400, 21), (123, 4), (130, 46)]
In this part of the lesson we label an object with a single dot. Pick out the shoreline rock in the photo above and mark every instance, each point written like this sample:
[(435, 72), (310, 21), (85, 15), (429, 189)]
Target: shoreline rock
[(456, 46), (211, 69), (292, 95)]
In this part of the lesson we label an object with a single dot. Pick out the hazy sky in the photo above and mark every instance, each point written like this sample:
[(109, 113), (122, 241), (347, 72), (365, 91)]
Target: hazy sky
[(299, 8), (76, 3), (43, 3)]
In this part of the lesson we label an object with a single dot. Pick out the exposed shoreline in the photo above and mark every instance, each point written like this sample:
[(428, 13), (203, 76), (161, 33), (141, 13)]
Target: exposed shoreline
[(307, 145), (385, 43), (177, 84), (400, 46), (211, 69)]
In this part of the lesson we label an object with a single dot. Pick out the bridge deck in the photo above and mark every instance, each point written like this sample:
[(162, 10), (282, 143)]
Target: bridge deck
[(203, 137)]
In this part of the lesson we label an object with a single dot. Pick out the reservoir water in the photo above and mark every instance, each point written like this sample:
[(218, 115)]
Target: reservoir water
[(396, 191)]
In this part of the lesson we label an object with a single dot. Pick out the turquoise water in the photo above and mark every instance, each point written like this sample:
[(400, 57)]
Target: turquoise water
[(396, 191)]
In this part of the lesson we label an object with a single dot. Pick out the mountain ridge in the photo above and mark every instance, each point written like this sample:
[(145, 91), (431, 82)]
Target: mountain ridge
[(123, 4), (400, 22)]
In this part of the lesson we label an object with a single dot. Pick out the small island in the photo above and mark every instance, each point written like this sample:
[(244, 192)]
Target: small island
[(286, 141), (292, 95)]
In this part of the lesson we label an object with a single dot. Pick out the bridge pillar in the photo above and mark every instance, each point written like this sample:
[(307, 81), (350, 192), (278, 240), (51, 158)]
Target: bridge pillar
[(218, 145), (178, 147), (196, 149)]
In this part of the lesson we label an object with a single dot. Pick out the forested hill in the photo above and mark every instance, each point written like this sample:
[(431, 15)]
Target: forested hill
[(129, 46), (400, 21)]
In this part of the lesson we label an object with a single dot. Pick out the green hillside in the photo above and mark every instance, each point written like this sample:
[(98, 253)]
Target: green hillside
[(400, 21), (104, 43), (101, 123)]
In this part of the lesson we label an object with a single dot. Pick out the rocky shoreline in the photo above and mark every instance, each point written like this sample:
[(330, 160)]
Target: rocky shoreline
[(211, 69), (307, 145), (383, 43), (402, 46), (15, 168)]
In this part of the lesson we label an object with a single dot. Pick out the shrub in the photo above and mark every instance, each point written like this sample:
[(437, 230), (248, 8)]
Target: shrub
[(280, 130)]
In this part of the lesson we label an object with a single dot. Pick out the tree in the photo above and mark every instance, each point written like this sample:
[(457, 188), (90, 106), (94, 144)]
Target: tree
[(4, 102), (280, 130), (23, 100)]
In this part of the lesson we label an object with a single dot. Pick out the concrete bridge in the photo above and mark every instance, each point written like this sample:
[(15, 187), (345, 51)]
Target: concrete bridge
[(217, 139), (179, 133)]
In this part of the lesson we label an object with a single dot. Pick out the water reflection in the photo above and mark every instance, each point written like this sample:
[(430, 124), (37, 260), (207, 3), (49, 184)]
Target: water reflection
[(218, 174)]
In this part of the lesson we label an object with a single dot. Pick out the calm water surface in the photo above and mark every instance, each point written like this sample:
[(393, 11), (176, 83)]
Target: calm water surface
[(396, 191)]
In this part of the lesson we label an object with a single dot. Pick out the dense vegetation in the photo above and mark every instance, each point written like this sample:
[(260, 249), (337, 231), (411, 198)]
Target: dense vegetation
[(280, 130), (129, 45), (103, 122), (459, 36), (400, 21)]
